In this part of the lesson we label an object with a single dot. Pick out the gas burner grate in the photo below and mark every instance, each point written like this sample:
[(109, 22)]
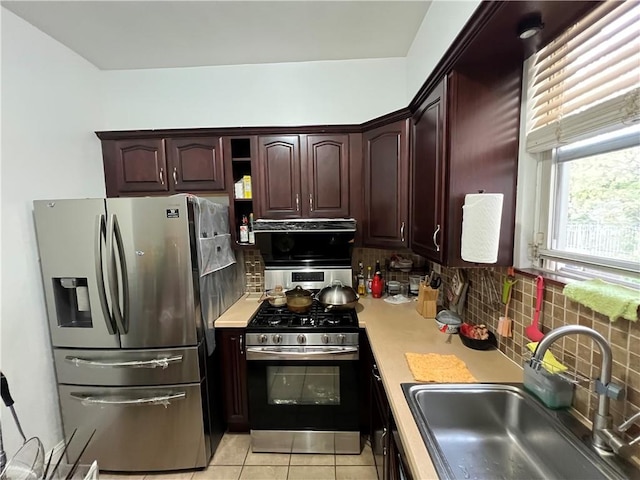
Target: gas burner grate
[(271, 317)]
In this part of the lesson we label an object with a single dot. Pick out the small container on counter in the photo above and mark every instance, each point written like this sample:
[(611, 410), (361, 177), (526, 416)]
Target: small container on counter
[(393, 287), (414, 284)]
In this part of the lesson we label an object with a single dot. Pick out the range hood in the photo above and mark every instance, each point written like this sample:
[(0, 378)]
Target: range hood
[(301, 225)]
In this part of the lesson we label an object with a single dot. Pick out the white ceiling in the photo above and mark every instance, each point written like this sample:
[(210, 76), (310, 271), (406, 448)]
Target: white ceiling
[(163, 34)]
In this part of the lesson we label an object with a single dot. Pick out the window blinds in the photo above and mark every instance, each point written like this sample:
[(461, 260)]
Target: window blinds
[(587, 81)]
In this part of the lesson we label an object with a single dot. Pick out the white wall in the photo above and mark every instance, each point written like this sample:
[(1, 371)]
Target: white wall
[(50, 108), (305, 93), (441, 25)]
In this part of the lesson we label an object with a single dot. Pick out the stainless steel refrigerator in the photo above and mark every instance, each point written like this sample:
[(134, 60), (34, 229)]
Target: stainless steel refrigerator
[(133, 351)]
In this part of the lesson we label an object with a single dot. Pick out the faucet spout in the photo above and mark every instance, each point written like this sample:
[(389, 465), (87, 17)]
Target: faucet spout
[(604, 388)]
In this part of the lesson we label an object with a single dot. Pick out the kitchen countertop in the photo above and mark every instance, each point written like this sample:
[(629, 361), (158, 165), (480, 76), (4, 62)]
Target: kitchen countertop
[(392, 331)]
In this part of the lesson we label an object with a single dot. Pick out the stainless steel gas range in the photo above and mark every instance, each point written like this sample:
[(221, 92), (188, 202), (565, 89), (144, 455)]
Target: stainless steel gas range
[(303, 368)]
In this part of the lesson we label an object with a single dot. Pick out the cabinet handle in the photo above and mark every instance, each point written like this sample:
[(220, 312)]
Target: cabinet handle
[(242, 344), (311, 201), (402, 232), (384, 447), (175, 175), (434, 238), (162, 176), (297, 202)]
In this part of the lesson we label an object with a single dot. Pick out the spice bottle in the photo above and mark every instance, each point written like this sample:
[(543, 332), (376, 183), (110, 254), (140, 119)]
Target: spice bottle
[(362, 289), (244, 230)]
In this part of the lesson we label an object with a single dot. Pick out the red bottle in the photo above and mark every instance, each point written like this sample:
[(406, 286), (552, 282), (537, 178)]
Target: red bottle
[(377, 286)]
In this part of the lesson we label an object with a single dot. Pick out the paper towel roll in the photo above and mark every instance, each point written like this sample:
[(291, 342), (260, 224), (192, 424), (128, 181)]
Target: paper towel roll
[(481, 217)]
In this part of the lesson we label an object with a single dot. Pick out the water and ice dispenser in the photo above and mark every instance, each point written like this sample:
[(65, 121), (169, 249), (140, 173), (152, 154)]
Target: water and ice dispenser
[(73, 308)]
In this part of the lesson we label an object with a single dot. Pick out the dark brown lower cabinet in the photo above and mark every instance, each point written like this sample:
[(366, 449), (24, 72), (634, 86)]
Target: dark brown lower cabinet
[(388, 453), (233, 364), (398, 467), (380, 425)]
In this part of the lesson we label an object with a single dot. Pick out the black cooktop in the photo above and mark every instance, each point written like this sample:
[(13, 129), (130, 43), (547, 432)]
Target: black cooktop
[(273, 318)]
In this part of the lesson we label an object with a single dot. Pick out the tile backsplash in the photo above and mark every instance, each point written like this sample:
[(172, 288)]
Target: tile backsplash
[(577, 352), (254, 271)]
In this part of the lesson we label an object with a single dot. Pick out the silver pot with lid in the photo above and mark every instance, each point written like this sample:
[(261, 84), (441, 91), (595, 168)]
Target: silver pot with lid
[(338, 296)]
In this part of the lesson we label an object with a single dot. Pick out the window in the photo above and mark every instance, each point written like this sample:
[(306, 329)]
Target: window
[(583, 129)]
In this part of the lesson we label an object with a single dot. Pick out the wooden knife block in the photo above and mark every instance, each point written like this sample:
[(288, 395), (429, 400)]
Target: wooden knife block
[(427, 301)]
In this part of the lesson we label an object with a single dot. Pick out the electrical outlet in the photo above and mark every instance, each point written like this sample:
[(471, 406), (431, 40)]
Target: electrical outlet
[(436, 268)]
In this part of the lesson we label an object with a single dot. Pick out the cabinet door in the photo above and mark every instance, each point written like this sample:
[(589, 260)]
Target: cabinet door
[(380, 425), (233, 363), (428, 190), (196, 164), (279, 177), (138, 166), (386, 187), (327, 176)]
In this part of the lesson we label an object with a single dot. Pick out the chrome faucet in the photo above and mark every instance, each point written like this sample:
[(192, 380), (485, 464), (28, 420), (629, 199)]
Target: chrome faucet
[(615, 441), (602, 434)]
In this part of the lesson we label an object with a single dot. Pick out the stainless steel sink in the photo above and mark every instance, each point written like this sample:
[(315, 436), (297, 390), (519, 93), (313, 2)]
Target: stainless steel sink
[(496, 431)]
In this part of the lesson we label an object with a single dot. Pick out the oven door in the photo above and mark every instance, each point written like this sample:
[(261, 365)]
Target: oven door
[(303, 388)]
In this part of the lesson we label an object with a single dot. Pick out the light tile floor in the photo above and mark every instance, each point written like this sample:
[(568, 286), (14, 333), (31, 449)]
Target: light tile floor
[(234, 460)]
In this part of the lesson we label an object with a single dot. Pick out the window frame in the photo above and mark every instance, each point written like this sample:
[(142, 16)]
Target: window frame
[(534, 234)]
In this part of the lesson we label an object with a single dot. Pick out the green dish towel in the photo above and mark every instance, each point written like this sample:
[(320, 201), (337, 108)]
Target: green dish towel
[(608, 299)]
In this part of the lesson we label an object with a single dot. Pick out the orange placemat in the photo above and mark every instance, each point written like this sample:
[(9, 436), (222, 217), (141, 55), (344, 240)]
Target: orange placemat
[(434, 367)]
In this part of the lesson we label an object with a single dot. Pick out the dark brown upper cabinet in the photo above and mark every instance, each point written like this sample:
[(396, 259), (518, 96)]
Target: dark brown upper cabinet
[(279, 177), (386, 186), (327, 173), (196, 163), (303, 176), (428, 180), (135, 166), (163, 165), (465, 140)]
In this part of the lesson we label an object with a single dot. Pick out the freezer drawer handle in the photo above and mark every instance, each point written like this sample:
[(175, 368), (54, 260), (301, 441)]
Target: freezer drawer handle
[(153, 363), (164, 400)]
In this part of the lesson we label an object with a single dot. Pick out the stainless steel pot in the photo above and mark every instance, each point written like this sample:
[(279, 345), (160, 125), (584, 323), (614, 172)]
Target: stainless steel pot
[(338, 297)]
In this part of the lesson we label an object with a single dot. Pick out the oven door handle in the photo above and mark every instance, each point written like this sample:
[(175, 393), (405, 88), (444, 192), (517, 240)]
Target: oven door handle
[(303, 353)]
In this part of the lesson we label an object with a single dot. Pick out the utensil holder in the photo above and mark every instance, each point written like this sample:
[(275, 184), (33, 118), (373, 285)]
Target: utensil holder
[(427, 301)]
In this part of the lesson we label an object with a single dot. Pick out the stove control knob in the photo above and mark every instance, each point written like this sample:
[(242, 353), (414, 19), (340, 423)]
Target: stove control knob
[(263, 338), (302, 339), (341, 338), (325, 338), (277, 339)]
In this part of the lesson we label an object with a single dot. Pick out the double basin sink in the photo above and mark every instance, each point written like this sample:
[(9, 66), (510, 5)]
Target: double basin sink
[(495, 431)]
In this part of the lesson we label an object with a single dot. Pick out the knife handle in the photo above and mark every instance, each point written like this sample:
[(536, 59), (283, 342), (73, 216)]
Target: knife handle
[(4, 391)]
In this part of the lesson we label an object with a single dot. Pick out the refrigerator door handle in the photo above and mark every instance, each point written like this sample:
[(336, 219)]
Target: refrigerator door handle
[(114, 240), (164, 400), (101, 234), (153, 363)]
